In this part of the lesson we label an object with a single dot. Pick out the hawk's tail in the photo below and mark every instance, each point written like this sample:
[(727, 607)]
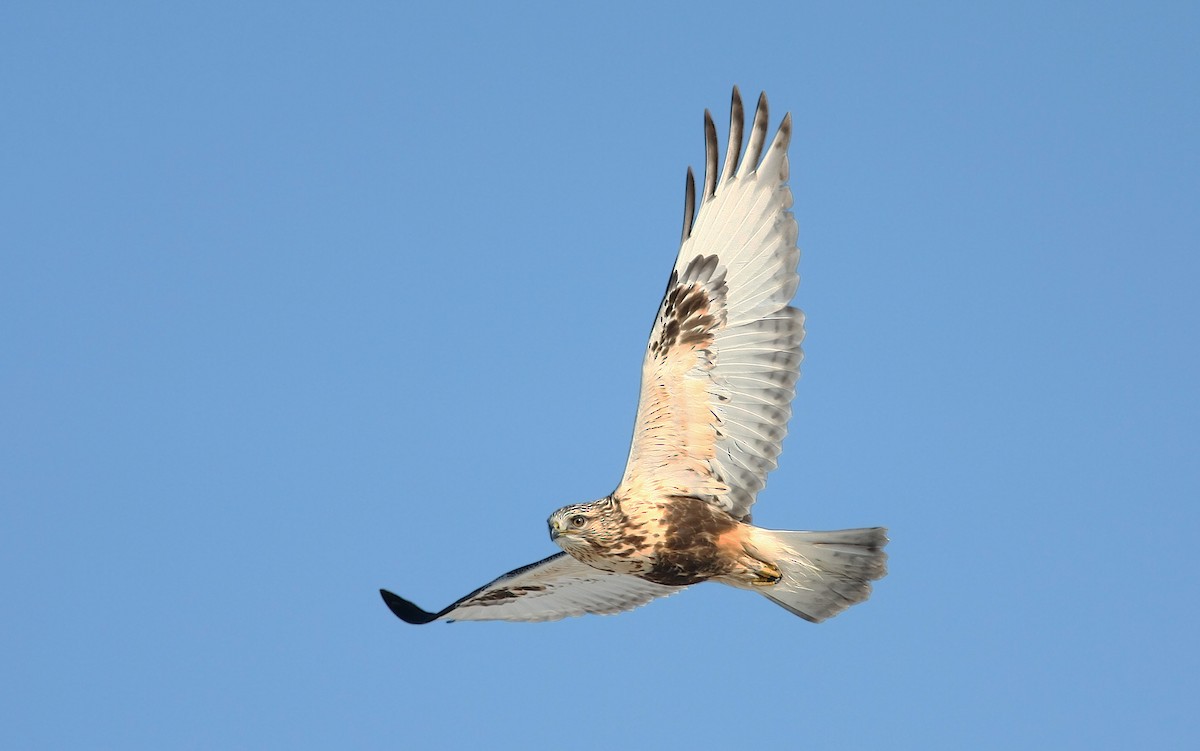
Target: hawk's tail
[(823, 573)]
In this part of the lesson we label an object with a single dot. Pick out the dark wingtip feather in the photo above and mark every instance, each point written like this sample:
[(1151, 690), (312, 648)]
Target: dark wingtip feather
[(762, 105), (405, 610), (689, 205), (710, 156), (737, 123), (758, 135), (782, 139)]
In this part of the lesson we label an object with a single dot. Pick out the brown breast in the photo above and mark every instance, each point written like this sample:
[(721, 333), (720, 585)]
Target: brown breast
[(686, 545)]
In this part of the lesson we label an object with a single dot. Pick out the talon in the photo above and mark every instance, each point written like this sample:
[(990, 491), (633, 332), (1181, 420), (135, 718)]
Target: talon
[(766, 576)]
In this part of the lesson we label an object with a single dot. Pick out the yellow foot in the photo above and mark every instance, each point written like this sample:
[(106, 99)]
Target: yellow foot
[(767, 575)]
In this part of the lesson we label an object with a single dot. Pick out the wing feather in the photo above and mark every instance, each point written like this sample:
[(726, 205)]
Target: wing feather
[(710, 156), (689, 205), (724, 354), (553, 588), (737, 122)]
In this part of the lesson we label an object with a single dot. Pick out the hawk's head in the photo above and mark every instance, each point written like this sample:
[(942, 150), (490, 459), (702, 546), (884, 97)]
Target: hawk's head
[(587, 527)]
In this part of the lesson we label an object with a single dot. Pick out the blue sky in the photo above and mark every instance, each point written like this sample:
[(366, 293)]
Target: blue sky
[(300, 302)]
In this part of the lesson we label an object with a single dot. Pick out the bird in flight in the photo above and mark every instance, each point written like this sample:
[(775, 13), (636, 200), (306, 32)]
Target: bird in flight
[(718, 379)]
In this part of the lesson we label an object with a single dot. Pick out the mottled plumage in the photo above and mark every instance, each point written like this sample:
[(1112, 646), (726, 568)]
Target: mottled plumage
[(718, 379)]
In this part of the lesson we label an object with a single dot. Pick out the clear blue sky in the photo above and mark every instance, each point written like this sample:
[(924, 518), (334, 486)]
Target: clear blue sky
[(300, 302)]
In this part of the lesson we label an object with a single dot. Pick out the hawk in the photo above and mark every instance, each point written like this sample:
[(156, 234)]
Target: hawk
[(718, 378)]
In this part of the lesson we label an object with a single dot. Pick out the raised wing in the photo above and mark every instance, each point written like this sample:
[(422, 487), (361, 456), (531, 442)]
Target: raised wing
[(553, 588), (724, 354)]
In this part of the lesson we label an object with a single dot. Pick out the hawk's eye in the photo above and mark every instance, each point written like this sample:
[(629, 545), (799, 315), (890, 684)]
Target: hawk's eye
[(578, 521)]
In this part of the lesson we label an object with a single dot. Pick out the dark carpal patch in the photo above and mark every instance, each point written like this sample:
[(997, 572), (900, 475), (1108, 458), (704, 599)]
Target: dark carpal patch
[(692, 308), (688, 552), (497, 595)]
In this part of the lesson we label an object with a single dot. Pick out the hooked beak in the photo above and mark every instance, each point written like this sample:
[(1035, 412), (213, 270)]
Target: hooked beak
[(554, 529)]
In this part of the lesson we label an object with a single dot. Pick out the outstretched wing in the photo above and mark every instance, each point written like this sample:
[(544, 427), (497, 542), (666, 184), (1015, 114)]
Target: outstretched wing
[(724, 354), (552, 588)]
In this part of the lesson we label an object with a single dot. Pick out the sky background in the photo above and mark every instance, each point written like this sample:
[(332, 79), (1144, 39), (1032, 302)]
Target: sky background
[(298, 301)]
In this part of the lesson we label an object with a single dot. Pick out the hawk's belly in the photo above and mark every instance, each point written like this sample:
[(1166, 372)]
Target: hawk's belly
[(676, 568), (679, 568)]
